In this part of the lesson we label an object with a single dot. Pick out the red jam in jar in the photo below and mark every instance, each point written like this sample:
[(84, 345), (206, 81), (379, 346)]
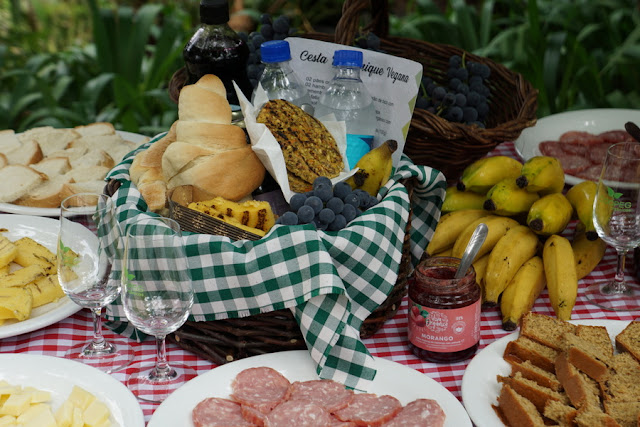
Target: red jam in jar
[(444, 313)]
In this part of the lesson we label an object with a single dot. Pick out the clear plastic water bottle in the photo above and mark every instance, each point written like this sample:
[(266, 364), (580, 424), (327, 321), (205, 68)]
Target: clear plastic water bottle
[(278, 78), (349, 100)]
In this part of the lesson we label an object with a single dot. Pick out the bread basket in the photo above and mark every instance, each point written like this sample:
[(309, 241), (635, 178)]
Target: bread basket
[(432, 140)]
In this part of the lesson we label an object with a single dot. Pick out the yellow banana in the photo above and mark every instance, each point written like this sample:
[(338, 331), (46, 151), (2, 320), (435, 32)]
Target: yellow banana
[(483, 174), (480, 267), (456, 200), (449, 228), (512, 250), (507, 199), (560, 272), (550, 214), (587, 253), (522, 292), (446, 252), (374, 168), (581, 197), (542, 174), (497, 226)]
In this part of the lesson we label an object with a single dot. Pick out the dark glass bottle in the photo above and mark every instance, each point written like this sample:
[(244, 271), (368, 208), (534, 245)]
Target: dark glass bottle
[(444, 313), (216, 49)]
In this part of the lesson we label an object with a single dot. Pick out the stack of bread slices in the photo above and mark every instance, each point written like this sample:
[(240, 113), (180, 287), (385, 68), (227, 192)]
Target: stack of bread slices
[(42, 166), (571, 375)]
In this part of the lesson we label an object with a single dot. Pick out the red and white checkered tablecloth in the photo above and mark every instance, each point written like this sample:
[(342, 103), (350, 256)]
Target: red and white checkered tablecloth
[(389, 342)]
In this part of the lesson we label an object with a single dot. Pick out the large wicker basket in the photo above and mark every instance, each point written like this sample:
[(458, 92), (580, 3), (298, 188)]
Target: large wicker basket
[(432, 140)]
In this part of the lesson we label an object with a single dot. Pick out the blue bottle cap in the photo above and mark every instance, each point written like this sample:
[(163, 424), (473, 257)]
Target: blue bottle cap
[(275, 51), (349, 58)]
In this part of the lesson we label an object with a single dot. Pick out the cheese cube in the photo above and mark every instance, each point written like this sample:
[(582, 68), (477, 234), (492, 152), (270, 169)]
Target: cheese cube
[(16, 404), (81, 398), (64, 414), (8, 421), (38, 415), (37, 396), (95, 414), (77, 420), (8, 389)]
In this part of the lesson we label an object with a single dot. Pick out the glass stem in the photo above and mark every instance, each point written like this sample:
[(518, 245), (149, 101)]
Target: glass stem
[(98, 342), (162, 369), (618, 283)]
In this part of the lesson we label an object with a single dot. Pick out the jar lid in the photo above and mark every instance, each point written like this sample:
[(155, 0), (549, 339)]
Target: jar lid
[(214, 12), (349, 58), (275, 51)]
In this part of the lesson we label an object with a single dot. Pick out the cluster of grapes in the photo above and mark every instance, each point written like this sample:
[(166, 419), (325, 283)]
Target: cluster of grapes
[(367, 41), (330, 207), (269, 29), (465, 97)]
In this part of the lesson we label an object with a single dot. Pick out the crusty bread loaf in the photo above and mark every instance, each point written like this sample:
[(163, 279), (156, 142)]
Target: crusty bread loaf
[(17, 181), (198, 104)]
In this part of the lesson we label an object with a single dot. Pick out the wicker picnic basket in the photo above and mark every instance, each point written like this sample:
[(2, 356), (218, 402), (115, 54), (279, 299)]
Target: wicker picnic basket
[(432, 140)]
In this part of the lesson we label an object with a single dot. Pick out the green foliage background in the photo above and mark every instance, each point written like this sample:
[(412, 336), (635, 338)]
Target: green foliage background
[(71, 62)]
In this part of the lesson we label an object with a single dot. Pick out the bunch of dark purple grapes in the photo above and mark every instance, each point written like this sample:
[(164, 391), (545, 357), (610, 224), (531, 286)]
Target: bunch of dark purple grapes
[(465, 96), (367, 41), (329, 207), (268, 29)]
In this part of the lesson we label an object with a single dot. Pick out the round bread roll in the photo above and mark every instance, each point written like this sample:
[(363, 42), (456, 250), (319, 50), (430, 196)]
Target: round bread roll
[(198, 104)]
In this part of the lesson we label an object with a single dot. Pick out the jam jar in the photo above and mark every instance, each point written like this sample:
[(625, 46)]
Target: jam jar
[(444, 313)]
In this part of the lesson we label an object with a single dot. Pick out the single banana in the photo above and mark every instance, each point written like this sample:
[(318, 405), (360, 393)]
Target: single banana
[(507, 199), (374, 168), (581, 197), (446, 252), (509, 254), (456, 200), (497, 227), (480, 267), (542, 174), (550, 214), (449, 228), (560, 272), (521, 293), (587, 253), (483, 174)]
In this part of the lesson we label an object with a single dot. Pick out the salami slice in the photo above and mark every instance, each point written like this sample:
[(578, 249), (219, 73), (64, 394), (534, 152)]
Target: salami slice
[(579, 137), (368, 409), (329, 394), (253, 415), (592, 173), (419, 413), (299, 413), (551, 148), (598, 152), (613, 136), (218, 412), (261, 388), (574, 164)]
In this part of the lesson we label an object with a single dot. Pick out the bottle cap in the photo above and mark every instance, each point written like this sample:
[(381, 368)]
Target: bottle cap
[(214, 12), (349, 58), (275, 51)]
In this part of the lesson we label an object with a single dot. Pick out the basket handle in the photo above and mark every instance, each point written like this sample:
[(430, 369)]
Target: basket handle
[(348, 24)]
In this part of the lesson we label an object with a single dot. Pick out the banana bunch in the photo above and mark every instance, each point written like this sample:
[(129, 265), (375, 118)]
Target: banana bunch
[(374, 168), (561, 275), (456, 200), (587, 253), (449, 228), (550, 214), (508, 199), (497, 227), (521, 292), (483, 174)]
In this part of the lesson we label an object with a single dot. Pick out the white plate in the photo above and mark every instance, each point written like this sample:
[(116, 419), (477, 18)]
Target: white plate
[(394, 379), (58, 376), (45, 232), (480, 388), (552, 127), (54, 212)]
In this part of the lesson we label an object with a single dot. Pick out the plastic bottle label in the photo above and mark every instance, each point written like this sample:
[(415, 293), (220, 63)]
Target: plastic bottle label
[(444, 331), (357, 146)]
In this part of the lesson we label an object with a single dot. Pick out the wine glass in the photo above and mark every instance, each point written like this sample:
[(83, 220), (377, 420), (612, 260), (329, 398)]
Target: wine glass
[(89, 240), (157, 297), (616, 219)]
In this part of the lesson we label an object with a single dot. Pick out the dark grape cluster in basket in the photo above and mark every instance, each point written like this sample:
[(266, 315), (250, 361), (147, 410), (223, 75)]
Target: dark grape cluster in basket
[(327, 206), (269, 29), (464, 98), (367, 41)]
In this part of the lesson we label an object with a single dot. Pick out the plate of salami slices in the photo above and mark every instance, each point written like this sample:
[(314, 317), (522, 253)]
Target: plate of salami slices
[(396, 388), (579, 139)]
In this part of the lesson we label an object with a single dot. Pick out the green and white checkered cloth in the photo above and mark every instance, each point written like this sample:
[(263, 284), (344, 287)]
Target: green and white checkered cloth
[(330, 280)]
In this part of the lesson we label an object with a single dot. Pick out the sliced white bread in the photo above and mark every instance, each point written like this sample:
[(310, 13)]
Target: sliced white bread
[(83, 187), (88, 173), (76, 149), (93, 129), (28, 153), (16, 181), (46, 195), (34, 132), (93, 157), (8, 141), (3, 160), (55, 140), (117, 152), (53, 166)]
